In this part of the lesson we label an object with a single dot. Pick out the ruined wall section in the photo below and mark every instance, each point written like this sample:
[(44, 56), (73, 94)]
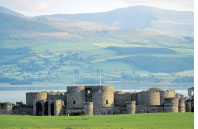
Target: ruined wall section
[(6, 108), (57, 96), (22, 110), (12, 109)]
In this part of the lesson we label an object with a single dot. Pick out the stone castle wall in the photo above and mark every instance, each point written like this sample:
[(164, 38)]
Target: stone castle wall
[(32, 96), (121, 98), (98, 100)]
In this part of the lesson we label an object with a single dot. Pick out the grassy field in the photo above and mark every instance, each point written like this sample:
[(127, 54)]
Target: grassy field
[(137, 121), (121, 55)]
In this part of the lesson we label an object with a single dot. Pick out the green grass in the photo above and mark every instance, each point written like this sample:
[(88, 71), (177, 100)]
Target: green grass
[(137, 121)]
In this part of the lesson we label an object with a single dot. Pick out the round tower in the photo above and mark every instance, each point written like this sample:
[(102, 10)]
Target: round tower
[(182, 105), (88, 108), (32, 96), (75, 96), (166, 94), (131, 107), (103, 96), (171, 105), (153, 98), (7, 106)]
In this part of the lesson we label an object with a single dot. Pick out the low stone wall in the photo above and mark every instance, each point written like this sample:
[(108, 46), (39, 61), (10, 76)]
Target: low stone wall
[(149, 109), (22, 110), (103, 111)]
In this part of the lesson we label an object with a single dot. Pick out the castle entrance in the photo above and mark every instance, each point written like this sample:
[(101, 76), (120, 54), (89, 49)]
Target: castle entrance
[(52, 109), (39, 109), (46, 109)]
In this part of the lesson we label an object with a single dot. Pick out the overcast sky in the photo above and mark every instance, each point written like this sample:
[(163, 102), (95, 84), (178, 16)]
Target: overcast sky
[(43, 7)]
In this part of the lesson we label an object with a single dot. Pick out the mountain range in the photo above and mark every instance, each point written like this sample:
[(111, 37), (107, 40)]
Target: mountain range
[(136, 17), (140, 17), (134, 44)]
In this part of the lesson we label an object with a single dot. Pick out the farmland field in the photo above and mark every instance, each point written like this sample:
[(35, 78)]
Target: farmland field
[(137, 121)]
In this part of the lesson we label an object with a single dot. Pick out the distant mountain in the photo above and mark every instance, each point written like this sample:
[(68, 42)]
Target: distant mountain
[(10, 12), (12, 24), (140, 17)]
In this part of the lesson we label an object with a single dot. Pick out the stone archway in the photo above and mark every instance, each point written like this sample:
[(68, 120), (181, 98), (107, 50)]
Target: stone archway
[(39, 109), (52, 109), (46, 109)]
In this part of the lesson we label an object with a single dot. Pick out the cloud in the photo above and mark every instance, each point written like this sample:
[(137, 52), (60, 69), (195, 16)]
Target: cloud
[(44, 7)]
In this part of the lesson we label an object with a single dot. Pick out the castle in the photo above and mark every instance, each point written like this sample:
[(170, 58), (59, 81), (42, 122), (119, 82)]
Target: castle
[(99, 100)]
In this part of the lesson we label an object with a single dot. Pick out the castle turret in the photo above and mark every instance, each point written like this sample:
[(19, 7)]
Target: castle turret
[(75, 96), (153, 98), (131, 107), (7, 107), (149, 97), (182, 105), (31, 97), (166, 94), (103, 96), (103, 99), (171, 105)]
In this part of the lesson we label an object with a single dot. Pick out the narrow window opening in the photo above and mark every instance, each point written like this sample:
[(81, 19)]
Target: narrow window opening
[(74, 102), (88, 91), (106, 101)]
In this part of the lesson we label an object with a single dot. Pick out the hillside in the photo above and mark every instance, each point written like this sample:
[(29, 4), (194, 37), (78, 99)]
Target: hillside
[(47, 50), (11, 24), (140, 17), (74, 25), (10, 12)]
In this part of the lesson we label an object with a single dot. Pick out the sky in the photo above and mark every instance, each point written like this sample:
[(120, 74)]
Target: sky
[(46, 7)]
